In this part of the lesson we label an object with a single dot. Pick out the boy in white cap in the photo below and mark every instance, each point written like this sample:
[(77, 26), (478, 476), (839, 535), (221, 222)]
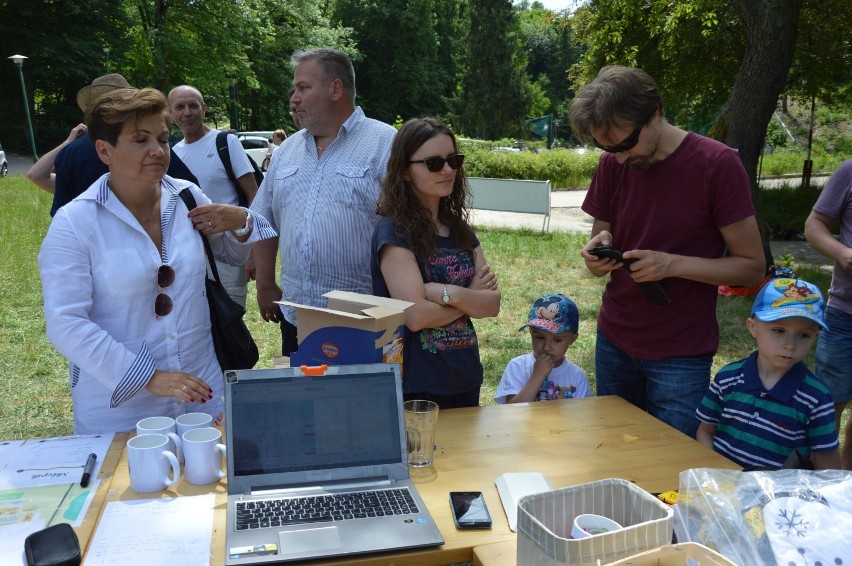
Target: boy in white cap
[(760, 410), (546, 373)]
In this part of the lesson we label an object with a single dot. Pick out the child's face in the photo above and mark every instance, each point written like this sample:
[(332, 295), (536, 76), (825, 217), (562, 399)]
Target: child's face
[(783, 343), (553, 345)]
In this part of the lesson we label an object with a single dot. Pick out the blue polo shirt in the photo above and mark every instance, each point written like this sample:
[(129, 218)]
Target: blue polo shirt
[(757, 427)]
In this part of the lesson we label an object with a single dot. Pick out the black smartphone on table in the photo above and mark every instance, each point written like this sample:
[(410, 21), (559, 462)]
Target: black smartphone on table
[(469, 510)]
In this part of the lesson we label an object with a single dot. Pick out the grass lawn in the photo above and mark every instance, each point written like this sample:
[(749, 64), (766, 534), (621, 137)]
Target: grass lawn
[(35, 390)]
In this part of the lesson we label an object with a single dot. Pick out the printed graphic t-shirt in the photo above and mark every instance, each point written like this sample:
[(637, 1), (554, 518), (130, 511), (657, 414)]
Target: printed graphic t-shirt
[(445, 360)]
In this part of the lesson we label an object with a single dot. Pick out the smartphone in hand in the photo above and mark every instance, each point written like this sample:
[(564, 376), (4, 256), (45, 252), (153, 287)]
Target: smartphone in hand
[(469, 510)]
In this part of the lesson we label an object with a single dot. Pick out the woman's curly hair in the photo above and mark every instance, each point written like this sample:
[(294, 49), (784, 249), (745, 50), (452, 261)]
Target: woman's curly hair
[(398, 200)]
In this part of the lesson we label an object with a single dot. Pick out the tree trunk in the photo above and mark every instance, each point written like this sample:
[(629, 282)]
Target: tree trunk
[(771, 30)]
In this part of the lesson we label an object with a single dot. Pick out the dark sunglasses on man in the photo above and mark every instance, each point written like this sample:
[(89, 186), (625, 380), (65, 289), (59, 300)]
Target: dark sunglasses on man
[(435, 164), (627, 143)]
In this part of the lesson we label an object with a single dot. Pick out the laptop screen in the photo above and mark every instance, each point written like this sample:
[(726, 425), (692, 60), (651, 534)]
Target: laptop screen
[(304, 423)]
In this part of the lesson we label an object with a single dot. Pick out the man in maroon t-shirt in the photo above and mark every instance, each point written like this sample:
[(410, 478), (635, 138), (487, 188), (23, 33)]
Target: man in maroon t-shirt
[(672, 201)]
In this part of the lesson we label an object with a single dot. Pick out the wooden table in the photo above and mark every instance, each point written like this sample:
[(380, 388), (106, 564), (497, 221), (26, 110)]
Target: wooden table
[(571, 442)]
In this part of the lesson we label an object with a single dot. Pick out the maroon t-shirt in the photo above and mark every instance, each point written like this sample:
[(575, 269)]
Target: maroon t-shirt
[(677, 206)]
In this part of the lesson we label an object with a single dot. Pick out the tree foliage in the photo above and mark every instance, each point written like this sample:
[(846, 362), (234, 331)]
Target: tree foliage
[(400, 67), (493, 99)]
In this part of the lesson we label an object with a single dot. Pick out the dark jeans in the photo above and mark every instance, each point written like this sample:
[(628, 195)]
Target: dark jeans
[(670, 390)]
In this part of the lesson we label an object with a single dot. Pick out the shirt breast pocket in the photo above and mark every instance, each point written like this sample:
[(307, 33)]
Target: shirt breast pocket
[(283, 194), (356, 188)]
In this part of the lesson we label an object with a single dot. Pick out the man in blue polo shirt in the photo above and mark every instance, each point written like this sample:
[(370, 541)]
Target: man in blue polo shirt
[(759, 410)]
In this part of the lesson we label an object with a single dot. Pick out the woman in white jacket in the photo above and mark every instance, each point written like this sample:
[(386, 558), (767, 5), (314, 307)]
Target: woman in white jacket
[(123, 268)]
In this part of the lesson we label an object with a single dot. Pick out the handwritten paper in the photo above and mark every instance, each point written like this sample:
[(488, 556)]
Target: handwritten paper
[(154, 531), (50, 461)]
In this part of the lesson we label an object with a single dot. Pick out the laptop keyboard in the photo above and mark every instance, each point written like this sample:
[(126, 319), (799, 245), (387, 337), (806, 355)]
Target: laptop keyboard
[(323, 508)]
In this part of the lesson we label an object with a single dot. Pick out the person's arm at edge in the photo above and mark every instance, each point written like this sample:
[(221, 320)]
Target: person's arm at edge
[(41, 173), (249, 185), (826, 460), (705, 434), (818, 232), (264, 254)]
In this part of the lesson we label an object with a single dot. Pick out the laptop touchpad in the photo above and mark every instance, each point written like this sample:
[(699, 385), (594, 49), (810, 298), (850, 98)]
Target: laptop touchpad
[(309, 540)]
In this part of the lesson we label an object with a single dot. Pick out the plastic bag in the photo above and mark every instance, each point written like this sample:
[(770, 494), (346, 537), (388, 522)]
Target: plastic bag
[(783, 517)]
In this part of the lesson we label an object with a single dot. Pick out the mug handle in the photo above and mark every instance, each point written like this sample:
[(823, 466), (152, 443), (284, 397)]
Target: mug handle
[(175, 468), (221, 448), (178, 444)]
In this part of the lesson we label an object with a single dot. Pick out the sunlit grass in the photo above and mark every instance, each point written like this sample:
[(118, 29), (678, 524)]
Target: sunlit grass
[(35, 391)]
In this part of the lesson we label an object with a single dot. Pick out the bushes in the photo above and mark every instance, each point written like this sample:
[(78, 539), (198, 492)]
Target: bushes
[(563, 167)]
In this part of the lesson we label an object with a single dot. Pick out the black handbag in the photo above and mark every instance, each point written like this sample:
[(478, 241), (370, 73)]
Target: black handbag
[(232, 340)]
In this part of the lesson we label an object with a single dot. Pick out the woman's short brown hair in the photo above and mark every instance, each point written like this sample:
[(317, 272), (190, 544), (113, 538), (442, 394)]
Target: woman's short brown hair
[(107, 116)]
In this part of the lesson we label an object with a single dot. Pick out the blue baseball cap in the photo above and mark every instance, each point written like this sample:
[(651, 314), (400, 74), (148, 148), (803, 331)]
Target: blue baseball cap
[(786, 298), (554, 314)]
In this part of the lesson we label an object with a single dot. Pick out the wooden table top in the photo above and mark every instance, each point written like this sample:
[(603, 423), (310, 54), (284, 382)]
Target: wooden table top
[(569, 441)]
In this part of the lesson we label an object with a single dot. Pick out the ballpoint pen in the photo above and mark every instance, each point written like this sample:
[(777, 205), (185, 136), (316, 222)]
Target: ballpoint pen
[(88, 469)]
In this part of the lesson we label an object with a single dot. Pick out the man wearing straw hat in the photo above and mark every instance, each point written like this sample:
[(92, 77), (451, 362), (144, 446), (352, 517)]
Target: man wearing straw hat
[(77, 165)]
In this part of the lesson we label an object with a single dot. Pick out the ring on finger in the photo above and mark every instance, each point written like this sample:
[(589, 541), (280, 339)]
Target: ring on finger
[(209, 224), (183, 388)]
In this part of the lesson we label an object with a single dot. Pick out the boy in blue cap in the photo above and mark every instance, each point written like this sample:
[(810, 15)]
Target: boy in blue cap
[(760, 410), (546, 374)]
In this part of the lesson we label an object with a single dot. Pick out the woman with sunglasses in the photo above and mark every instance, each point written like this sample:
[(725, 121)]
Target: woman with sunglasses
[(424, 251), (123, 268)]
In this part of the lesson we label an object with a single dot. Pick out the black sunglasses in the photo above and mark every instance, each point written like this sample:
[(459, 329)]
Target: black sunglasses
[(163, 303), (435, 164), (626, 144)]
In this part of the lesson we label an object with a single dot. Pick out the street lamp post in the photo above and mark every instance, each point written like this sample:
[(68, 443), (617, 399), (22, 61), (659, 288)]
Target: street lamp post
[(106, 52), (19, 61)]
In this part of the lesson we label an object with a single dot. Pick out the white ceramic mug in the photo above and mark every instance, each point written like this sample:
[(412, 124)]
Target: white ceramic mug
[(202, 447), (164, 426), (149, 459), (190, 421)]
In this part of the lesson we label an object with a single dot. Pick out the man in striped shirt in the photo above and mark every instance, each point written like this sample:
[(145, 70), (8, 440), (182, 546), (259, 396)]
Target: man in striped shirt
[(759, 410), (320, 193)]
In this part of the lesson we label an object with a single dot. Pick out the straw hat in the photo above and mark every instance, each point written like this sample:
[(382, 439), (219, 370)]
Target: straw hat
[(101, 85)]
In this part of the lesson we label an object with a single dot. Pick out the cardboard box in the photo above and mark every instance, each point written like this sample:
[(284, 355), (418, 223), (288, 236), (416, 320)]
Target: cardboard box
[(545, 521), (683, 554), (353, 329)]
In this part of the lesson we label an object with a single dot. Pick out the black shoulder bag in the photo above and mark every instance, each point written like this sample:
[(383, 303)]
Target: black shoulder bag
[(225, 157), (235, 348)]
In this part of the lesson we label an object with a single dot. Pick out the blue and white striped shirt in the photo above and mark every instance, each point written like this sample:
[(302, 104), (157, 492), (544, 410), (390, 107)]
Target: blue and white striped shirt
[(757, 427), (324, 209)]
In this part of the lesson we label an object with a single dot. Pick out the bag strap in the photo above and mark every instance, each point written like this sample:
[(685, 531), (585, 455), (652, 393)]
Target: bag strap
[(225, 156), (189, 200)]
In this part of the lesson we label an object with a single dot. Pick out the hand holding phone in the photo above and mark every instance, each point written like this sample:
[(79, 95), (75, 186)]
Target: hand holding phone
[(469, 510), (652, 290)]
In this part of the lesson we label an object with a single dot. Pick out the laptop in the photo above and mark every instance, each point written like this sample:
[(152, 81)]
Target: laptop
[(318, 465)]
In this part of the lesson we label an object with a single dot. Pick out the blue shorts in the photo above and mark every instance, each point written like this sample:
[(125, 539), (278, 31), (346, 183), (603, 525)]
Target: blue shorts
[(833, 365)]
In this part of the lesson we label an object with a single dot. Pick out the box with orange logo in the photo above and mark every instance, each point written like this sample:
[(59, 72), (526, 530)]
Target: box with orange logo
[(352, 329)]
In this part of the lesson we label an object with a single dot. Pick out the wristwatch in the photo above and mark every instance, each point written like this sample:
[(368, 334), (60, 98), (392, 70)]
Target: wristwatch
[(445, 296), (245, 230)]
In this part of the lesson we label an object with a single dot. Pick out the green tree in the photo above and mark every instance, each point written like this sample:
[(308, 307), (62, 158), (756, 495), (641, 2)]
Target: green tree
[(550, 50), (64, 42), (399, 71), (494, 98)]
